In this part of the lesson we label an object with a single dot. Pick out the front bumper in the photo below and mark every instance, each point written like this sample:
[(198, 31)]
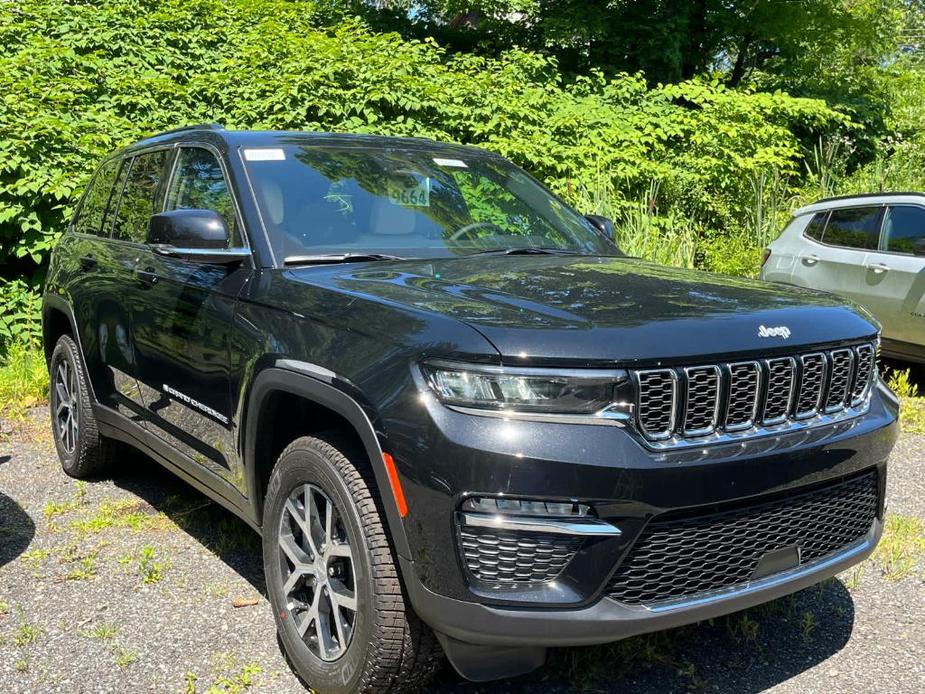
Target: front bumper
[(606, 620), (450, 456)]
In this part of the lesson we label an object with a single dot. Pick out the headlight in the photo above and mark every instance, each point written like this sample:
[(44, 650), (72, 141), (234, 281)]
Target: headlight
[(560, 391)]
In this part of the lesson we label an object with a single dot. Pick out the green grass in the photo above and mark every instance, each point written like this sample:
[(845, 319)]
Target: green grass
[(25, 633), (23, 380), (102, 632), (902, 548), (149, 568)]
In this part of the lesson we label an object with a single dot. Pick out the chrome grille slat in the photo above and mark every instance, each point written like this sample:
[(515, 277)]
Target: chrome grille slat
[(864, 360), (841, 363), (681, 405), (702, 385), (744, 392), (781, 379), (657, 407), (812, 385)]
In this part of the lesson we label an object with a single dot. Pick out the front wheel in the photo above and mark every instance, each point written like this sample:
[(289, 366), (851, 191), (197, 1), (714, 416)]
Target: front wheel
[(332, 578), (83, 451)]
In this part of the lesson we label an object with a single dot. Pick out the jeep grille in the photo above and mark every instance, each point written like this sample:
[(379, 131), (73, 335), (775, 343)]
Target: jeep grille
[(679, 405)]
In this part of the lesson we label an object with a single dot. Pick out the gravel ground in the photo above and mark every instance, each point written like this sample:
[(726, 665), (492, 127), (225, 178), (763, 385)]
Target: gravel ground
[(140, 584)]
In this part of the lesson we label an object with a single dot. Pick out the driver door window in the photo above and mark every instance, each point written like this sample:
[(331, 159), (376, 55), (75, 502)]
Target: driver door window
[(199, 183)]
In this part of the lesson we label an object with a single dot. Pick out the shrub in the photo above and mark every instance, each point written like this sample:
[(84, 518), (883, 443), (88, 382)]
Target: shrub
[(80, 78)]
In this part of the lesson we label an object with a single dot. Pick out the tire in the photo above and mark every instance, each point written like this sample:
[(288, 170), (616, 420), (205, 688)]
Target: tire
[(385, 648), (83, 451)]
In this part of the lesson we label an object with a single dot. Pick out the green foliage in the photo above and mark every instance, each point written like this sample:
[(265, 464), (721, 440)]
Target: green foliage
[(81, 78), (19, 322), (23, 380)]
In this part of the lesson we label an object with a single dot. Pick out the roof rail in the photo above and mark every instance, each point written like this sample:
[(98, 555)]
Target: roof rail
[(198, 126), (867, 195)]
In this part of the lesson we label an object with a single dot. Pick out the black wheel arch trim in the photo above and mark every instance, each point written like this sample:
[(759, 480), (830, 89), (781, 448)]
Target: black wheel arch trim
[(294, 378), (54, 302)]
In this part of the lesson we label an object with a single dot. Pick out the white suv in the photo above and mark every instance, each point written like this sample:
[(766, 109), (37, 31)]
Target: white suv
[(869, 248)]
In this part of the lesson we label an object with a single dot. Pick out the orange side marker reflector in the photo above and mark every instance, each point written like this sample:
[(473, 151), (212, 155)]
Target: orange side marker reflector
[(396, 485)]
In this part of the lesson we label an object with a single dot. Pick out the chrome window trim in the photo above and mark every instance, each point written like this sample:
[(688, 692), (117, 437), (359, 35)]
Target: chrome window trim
[(716, 405), (754, 418)]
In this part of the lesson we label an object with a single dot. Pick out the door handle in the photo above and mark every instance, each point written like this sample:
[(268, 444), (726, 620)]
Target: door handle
[(811, 259), (147, 275), (878, 268), (88, 262)]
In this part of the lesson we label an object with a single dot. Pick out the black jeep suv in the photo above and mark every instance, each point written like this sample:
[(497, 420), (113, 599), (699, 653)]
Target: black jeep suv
[(460, 418)]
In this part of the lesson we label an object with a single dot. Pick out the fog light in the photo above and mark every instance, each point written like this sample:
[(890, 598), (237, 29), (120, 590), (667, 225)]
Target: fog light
[(525, 507)]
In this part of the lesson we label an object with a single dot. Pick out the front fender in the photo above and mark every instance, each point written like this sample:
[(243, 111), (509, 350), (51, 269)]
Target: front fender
[(318, 385)]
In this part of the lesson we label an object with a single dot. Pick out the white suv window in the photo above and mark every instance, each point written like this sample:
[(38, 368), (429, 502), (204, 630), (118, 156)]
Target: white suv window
[(904, 229), (854, 227)]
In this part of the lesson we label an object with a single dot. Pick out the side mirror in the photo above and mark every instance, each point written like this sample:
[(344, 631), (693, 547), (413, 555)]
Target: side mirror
[(603, 225), (198, 235)]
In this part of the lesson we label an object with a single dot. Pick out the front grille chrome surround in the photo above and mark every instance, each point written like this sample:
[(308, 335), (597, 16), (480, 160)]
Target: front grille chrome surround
[(702, 398), (712, 403), (813, 369), (841, 370), (865, 356), (660, 419), (781, 386)]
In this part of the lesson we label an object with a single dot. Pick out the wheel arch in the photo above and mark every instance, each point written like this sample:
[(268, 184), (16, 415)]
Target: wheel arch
[(286, 380), (57, 320)]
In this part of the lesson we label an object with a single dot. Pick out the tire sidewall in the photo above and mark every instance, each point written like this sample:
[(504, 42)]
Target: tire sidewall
[(306, 466), (64, 351)]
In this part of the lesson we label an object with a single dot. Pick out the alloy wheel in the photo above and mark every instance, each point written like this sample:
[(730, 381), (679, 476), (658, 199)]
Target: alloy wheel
[(65, 402), (317, 567)]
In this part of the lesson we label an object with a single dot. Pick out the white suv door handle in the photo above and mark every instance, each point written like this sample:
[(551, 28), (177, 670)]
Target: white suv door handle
[(811, 259), (878, 268)]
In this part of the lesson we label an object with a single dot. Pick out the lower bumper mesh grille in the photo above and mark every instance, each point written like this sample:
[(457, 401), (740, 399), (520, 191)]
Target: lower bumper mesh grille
[(515, 557), (683, 557)]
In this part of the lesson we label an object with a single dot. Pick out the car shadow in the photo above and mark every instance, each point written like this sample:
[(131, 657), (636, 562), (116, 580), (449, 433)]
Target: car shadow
[(214, 527), (16, 529), (747, 651)]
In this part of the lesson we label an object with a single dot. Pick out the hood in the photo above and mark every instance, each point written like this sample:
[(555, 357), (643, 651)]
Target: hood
[(604, 310)]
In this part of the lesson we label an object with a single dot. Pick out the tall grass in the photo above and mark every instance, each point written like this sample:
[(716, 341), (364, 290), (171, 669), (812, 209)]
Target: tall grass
[(23, 379), (641, 231)]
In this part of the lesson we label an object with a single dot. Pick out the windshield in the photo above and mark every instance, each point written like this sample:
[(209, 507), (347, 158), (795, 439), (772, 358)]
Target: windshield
[(412, 204)]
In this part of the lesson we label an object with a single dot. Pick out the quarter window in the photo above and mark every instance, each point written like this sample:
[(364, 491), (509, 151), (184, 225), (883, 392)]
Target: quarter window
[(904, 229), (855, 227), (139, 198), (90, 219), (199, 183), (816, 226)]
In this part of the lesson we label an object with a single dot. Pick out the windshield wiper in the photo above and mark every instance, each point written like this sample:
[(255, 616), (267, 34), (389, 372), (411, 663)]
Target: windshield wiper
[(527, 250), (333, 258)]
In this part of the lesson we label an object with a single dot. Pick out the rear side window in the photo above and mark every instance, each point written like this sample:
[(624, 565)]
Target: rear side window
[(855, 227), (93, 211), (139, 198), (904, 229), (199, 183), (816, 226)]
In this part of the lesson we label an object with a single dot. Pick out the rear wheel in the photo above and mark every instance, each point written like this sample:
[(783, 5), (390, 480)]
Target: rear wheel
[(332, 579), (83, 451)]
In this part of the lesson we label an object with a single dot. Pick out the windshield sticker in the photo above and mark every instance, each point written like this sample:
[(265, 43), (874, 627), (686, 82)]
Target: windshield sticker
[(458, 163), (417, 195), (264, 154)]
